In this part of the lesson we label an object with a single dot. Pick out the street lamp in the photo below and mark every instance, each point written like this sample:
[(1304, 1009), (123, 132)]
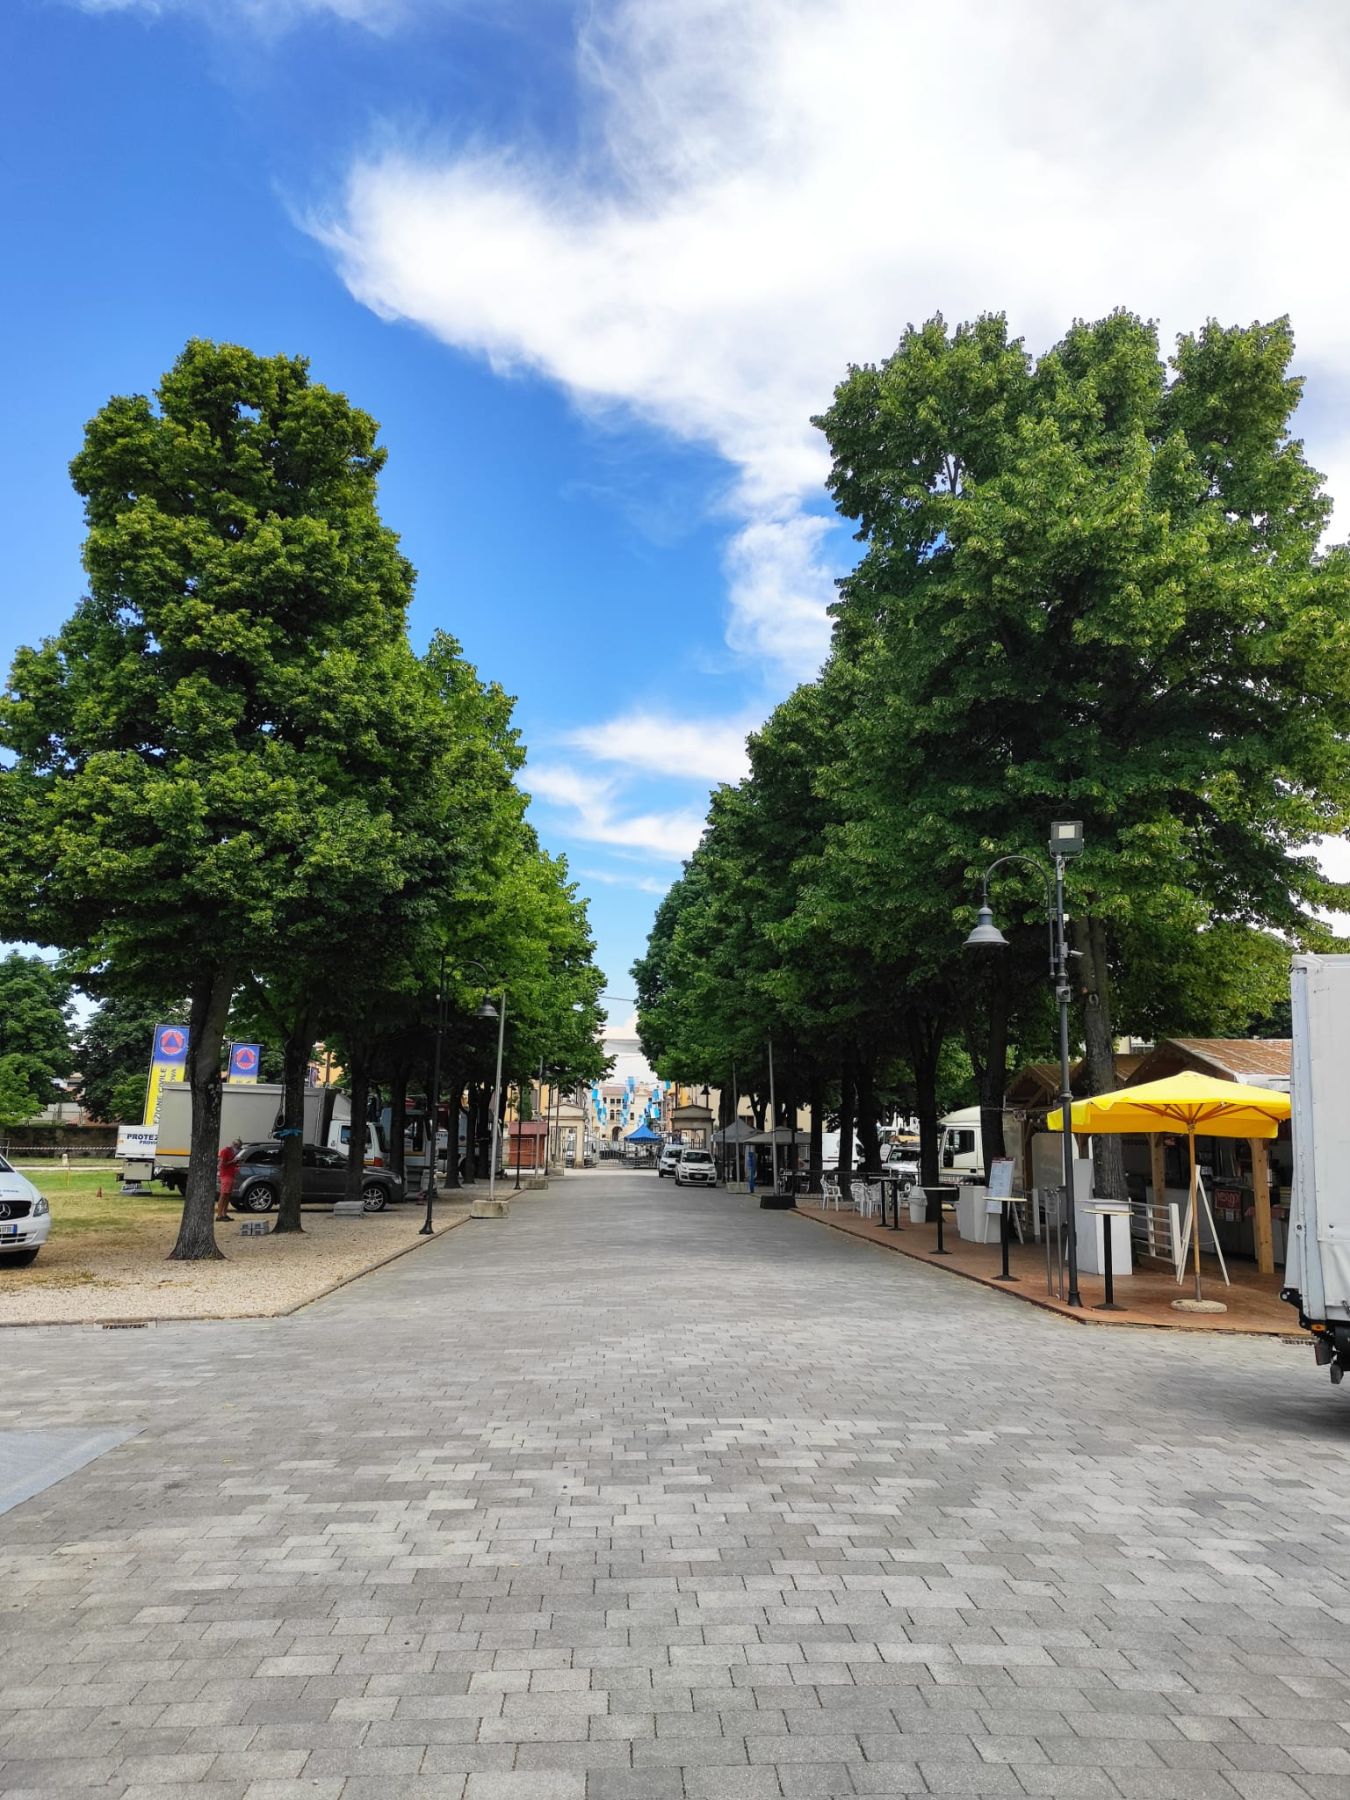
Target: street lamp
[(1066, 840)]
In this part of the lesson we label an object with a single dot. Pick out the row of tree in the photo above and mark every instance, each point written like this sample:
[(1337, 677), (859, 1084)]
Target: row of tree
[(1094, 587), (236, 786)]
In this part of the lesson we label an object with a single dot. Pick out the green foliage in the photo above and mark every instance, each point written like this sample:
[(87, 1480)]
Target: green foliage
[(114, 1053), (1092, 587), (34, 1030)]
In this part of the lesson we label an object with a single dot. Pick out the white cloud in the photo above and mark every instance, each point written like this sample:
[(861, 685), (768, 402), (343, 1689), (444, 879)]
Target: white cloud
[(591, 811), (643, 884), (771, 188), (699, 749)]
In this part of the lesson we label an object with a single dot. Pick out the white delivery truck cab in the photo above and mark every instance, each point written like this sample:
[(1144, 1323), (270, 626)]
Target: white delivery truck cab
[(961, 1146), (1317, 1260)]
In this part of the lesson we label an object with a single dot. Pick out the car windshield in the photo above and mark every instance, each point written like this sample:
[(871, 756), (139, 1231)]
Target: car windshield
[(697, 1156)]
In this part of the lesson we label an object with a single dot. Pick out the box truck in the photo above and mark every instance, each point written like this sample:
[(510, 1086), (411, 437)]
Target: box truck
[(248, 1110), (1317, 1263)]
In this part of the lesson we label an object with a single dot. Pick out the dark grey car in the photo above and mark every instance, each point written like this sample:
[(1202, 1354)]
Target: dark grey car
[(257, 1186)]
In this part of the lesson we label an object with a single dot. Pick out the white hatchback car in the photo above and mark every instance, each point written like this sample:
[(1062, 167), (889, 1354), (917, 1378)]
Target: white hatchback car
[(25, 1218), (695, 1167)]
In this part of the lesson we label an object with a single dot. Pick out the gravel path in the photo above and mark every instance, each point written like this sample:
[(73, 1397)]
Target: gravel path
[(260, 1276)]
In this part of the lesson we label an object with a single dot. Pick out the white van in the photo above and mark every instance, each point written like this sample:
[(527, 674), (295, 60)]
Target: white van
[(961, 1156)]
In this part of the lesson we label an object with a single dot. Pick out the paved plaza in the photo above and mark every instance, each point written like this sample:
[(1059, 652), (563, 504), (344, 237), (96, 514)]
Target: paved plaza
[(645, 1494)]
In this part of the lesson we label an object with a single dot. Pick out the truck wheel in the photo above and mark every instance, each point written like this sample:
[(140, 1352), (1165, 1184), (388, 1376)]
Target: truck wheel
[(259, 1198), (19, 1259), (374, 1198)]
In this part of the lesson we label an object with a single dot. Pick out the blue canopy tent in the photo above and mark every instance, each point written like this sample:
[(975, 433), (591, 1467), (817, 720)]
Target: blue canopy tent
[(644, 1140)]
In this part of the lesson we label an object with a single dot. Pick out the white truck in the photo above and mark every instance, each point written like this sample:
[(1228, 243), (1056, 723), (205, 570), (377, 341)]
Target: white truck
[(1317, 1262), (251, 1111)]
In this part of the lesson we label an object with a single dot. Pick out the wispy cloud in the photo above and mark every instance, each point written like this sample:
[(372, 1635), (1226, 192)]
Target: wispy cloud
[(696, 749), (771, 188), (642, 884), (591, 810)]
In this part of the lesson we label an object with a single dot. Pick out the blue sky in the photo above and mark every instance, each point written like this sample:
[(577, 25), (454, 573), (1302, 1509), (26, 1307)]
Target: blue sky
[(593, 266)]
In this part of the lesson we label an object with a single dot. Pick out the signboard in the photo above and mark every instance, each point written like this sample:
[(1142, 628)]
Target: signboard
[(243, 1062), (168, 1062)]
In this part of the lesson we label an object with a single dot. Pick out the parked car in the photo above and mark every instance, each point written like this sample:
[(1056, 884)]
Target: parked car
[(25, 1218), (323, 1179), (695, 1167), (669, 1160), (901, 1160)]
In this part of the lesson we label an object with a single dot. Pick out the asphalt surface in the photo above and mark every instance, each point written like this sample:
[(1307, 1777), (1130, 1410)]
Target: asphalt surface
[(647, 1493)]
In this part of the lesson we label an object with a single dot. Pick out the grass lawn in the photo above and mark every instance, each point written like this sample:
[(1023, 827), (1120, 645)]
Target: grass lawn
[(91, 1217)]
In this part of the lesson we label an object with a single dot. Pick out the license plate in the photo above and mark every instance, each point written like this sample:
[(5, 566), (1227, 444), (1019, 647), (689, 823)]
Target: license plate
[(9, 1231)]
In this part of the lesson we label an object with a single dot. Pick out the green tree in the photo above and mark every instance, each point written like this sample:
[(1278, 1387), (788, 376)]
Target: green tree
[(171, 803), (113, 1054), (35, 1016), (1093, 588)]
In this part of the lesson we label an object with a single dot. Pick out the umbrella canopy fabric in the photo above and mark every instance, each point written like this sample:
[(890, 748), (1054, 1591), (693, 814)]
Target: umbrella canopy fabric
[(740, 1131), (643, 1135), (1197, 1104)]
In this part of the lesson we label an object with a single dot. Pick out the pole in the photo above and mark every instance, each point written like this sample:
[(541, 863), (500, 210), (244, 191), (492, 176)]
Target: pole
[(496, 1102), (433, 1107), (1065, 1085), (1195, 1210), (773, 1122), (520, 1132)]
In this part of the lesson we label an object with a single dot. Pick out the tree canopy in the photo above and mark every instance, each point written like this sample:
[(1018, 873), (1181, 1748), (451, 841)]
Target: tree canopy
[(1093, 586)]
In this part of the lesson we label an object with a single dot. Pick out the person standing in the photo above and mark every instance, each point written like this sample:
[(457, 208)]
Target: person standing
[(750, 1166), (227, 1167)]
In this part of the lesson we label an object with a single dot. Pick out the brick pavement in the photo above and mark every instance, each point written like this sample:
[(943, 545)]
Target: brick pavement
[(644, 1495)]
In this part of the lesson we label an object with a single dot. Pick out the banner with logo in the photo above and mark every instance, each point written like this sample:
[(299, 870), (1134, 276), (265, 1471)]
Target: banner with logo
[(168, 1062), (243, 1066)]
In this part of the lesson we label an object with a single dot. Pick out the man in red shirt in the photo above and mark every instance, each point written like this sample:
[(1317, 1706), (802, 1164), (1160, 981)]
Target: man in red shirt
[(227, 1164)]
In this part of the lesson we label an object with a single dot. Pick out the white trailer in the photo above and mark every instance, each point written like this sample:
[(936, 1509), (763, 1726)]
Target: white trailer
[(1317, 1262), (248, 1110)]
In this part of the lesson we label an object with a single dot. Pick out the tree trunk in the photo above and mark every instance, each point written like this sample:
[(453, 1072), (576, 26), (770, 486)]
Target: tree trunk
[(206, 1030), (846, 1115), (867, 1118), (398, 1118), (470, 1134), (758, 1106), (994, 1074), (453, 1090), (813, 1154), (295, 1048), (359, 1075), (1094, 978), (926, 1034)]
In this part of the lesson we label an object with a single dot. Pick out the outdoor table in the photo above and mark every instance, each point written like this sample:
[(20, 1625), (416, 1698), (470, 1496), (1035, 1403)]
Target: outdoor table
[(1005, 1203), (942, 1204), (1108, 1210), (893, 1183)]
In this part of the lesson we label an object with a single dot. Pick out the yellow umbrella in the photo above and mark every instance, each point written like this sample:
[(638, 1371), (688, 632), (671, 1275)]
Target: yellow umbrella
[(1186, 1102)]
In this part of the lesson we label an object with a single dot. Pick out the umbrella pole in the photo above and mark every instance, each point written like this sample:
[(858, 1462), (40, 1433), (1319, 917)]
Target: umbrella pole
[(1195, 1211)]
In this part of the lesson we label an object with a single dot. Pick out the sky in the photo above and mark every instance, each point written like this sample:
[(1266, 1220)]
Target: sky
[(593, 266)]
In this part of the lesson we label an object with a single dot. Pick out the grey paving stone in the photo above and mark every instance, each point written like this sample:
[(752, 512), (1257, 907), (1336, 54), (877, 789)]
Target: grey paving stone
[(625, 1499)]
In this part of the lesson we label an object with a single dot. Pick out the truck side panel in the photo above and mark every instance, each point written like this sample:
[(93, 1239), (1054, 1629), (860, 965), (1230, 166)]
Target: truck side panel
[(1319, 1258)]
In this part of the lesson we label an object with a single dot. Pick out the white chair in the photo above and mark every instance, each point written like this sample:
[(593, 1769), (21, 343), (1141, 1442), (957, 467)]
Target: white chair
[(829, 1193), (865, 1195)]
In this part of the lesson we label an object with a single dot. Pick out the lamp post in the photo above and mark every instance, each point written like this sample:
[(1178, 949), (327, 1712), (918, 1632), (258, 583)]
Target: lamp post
[(1066, 840)]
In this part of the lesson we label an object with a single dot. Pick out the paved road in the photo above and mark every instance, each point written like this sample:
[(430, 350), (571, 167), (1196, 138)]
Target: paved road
[(651, 1494)]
